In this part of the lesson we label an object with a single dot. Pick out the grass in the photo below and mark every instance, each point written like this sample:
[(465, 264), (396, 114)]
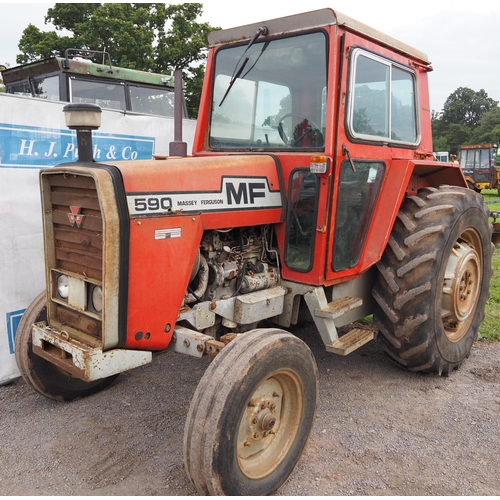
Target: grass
[(490, 327), (490, 195)]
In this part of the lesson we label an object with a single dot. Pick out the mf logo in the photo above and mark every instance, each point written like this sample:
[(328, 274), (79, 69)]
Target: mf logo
[(75, 217), (243, 192)]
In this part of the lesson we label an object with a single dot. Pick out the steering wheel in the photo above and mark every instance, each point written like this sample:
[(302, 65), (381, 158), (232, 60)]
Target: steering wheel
[(295, 142)]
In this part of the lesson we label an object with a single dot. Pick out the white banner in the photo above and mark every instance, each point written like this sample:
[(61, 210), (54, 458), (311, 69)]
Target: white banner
[(33, 135)]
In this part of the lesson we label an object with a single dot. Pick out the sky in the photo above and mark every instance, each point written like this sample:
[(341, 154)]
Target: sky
[(460, 37)]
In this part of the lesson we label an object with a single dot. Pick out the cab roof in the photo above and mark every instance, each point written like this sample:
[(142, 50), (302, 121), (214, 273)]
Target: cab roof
[(314, 19), (82, 67)]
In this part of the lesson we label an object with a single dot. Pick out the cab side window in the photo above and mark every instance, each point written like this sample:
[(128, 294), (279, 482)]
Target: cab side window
[(301, 221), (382, 101), (357, 196)]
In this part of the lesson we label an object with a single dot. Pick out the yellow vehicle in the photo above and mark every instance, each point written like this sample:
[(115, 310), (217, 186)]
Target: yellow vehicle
[(478, 163)]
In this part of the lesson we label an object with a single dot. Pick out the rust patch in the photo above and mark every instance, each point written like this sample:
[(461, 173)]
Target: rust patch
[(225, 339)]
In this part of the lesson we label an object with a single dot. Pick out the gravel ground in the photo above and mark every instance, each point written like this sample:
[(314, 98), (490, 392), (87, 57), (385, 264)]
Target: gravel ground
[(379, 430)]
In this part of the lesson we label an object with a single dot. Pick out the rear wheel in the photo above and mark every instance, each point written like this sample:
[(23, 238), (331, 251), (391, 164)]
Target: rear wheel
[(40, 374), (251, 415), (433, 279)]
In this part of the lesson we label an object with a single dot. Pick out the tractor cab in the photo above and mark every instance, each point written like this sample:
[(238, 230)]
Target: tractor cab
[(337, 110)]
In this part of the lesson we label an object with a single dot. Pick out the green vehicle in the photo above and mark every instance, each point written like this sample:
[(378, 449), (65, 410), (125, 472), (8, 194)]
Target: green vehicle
[(79, 80)]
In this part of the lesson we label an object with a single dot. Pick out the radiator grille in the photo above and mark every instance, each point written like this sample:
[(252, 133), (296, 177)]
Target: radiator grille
[(78, 249)]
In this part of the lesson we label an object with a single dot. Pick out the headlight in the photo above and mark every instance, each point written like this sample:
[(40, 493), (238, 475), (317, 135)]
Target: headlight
[(63, 286), (97, 298)]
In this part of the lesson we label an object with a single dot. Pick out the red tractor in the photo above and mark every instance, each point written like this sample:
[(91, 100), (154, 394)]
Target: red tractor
[(312, 193)]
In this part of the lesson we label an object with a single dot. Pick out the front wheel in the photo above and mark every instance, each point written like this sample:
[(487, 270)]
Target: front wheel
[(40, 374), (251, 415), (433, 279)]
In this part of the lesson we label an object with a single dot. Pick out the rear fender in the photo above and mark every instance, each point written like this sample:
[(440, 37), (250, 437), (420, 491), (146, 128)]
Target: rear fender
[(433, 174)]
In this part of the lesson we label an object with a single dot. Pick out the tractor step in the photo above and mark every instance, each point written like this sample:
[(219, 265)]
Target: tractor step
[(351, 341), (339, 307)]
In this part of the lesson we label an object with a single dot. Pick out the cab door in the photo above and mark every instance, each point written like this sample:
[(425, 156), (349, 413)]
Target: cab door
[(377, 134)]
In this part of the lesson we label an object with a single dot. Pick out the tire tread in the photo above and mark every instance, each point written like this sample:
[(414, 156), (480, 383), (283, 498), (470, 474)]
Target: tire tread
[(407, 276)]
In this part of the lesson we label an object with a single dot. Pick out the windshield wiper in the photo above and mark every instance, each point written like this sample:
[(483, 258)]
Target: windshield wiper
[(236, 74), (234, 78)]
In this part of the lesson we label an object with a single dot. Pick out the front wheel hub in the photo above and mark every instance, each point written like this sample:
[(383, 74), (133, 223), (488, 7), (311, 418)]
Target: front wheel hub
[(269, 424), (462, 281), (266, 420)]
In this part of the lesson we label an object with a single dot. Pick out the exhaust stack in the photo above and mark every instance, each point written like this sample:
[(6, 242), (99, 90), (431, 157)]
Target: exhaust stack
[(178, 147)]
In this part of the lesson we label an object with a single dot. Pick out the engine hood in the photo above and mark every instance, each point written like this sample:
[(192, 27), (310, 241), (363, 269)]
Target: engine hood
[(205, 184)]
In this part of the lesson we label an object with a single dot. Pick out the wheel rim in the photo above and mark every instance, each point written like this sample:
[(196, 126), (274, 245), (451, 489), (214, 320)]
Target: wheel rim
[(462, 283), (269, 424)]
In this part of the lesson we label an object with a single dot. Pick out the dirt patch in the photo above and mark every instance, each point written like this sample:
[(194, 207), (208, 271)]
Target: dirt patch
[(379, 430)]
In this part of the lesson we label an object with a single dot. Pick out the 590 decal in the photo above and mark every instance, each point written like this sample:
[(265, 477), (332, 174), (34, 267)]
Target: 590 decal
[(152, 204), (236, 193)]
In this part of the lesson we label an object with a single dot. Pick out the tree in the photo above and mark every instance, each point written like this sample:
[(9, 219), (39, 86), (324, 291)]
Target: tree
[(460, 119), (185, 41), (456, 135), (466, 107), (36, 44), (488, 130), (437, 124), (441, 144), (184, 46), (149, 37), (192, 89)]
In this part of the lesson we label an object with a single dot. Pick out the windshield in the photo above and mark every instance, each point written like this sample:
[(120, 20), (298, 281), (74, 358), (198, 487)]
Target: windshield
[(272, 98)]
